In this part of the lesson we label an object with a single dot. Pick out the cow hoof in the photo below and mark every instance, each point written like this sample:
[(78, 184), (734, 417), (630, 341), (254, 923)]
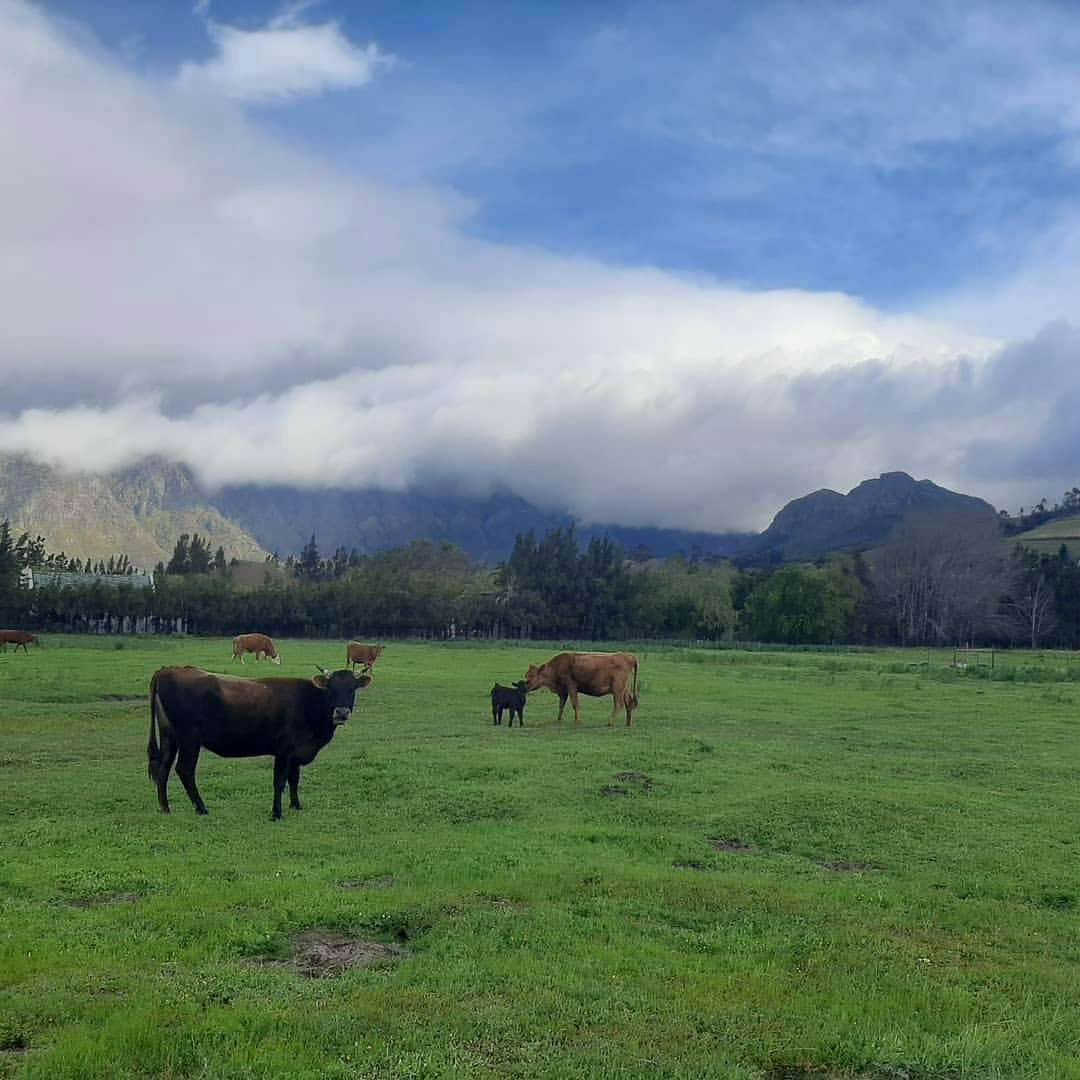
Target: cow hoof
[(201, 810)]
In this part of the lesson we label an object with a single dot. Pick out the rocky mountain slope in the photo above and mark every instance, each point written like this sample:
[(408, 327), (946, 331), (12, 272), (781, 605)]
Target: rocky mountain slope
[(139, 511), (865, 517)]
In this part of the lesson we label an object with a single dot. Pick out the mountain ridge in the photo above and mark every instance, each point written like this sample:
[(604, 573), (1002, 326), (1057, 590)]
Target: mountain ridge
[(141, 509)]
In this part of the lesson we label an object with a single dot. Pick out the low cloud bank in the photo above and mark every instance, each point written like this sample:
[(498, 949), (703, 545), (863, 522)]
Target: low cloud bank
[(177, 283)]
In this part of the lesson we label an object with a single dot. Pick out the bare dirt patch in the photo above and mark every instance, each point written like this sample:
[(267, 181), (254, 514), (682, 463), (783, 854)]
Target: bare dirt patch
[(103, 900), (614, 790), (849, 866), (325, 954), (729, 844), (382, 882), (691, 864)]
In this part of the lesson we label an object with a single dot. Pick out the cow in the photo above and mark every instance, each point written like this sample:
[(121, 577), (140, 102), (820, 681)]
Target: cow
[(509, 697), (17, 638), (355, 653), (259, 644), (288, 719), (594, 674)]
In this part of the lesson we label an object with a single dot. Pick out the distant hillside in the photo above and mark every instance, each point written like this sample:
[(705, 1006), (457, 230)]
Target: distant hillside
[(138, 511), (284, 518), (866, 517), (1048, 538), (143, 509)]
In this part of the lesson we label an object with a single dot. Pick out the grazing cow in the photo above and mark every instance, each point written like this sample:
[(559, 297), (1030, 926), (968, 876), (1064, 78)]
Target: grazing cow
[(17, 638), (259, 644), (355, 653), (289, 719), (595, 674), (509, 697)]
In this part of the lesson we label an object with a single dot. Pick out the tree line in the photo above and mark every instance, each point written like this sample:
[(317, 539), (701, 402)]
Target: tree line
[(935, 583)]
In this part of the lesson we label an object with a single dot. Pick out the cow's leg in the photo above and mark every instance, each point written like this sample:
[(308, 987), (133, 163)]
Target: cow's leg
[(496, 714), (281, 774), (294, 785), (574, 702), (614, 708), (627, 699), (165, 764), (562, 703), (185, 769)]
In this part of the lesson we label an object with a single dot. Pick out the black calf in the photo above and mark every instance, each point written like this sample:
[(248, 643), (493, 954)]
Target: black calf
[(508, 697)]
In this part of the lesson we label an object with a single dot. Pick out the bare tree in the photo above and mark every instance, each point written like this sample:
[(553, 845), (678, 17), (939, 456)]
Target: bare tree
[(942, 581), (1032, 602)]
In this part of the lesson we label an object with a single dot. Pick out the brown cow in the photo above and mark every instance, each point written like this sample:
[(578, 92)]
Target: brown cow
[(355, 653), (594, 674), (259, 644), (17, 638)]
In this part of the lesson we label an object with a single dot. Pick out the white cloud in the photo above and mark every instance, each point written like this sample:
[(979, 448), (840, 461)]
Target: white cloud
[(286, 59), (173, 281)]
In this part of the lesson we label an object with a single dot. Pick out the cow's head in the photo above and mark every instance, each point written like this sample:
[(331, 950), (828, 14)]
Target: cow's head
[(275, 658), (522, 686), (536, 677), (340, 688)]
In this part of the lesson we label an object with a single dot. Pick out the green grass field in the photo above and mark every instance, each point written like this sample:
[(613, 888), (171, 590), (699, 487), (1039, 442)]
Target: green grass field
[(843, 864), (1047, 539)]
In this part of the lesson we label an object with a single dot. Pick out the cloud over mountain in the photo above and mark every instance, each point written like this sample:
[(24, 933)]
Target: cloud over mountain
[(177, 281)]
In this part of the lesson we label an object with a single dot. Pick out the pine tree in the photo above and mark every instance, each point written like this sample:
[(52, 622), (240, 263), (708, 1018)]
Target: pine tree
[(309, 563), (180, 563)]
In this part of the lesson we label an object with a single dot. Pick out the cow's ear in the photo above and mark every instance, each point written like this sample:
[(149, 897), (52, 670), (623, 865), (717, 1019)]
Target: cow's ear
[(319, 681), (362, 681)]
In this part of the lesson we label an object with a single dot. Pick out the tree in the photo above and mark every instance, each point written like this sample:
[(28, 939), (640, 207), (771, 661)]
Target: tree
[(939, 582), (802, 605), (309, 564), (180, 562)]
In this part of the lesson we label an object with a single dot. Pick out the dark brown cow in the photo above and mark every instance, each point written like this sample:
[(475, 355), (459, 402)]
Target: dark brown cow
[(594, 674), (17, 638), (259, 644), (355, 653), (288, 719)]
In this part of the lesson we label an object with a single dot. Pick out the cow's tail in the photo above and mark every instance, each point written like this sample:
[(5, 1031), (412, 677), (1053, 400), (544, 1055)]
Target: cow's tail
[(153, 750), (633, 687)]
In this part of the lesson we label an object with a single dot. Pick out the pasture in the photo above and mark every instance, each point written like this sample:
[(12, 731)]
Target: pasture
[(795, 864)]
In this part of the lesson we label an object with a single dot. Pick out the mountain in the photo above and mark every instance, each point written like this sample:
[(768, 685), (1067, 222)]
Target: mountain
[(284, 518), (143, 509), (139, 511), (865, 517)]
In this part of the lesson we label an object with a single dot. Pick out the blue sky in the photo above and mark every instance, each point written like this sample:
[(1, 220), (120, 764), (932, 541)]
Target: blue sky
[(773, 145), (653, 263)]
